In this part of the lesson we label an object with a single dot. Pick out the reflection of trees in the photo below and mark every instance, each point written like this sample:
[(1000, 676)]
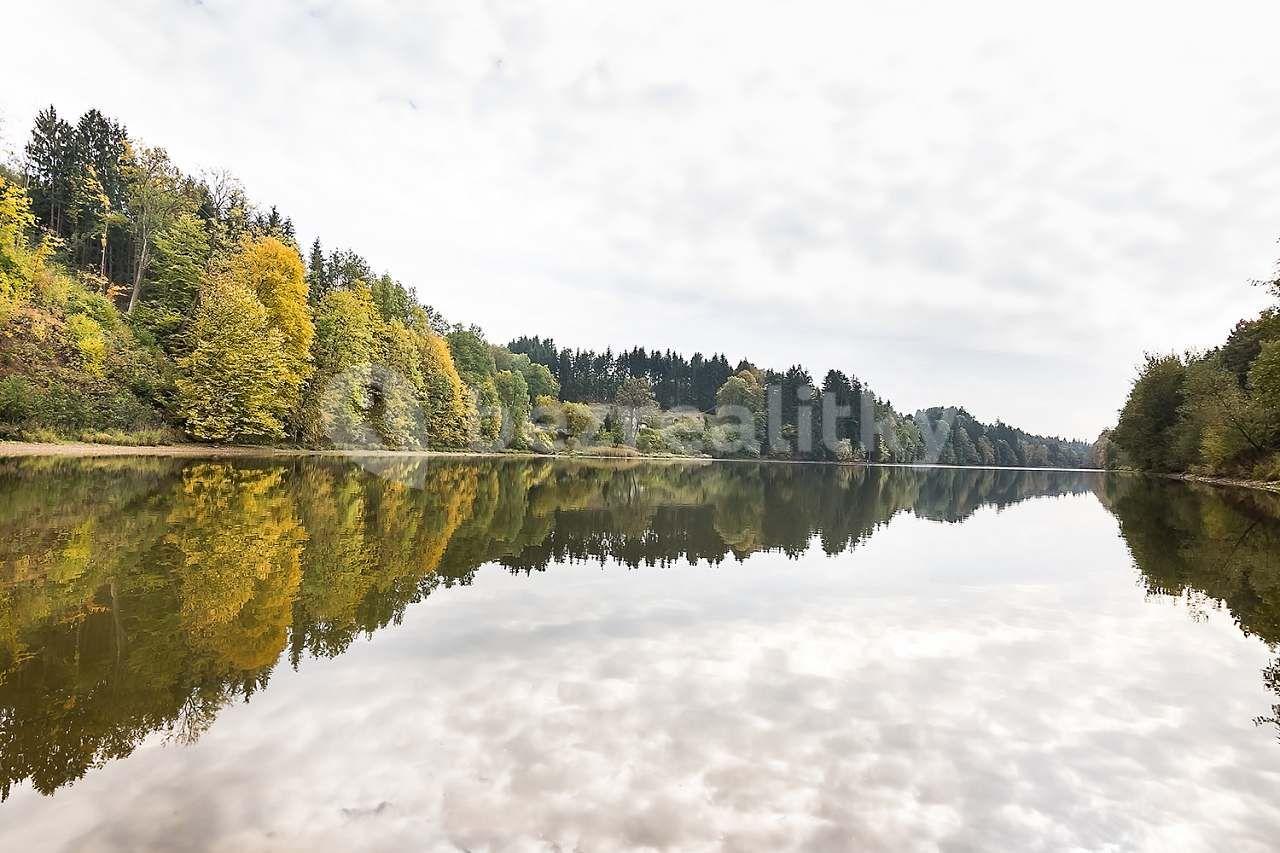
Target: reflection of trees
[(142, 595), (238, 547), (1211, 546)]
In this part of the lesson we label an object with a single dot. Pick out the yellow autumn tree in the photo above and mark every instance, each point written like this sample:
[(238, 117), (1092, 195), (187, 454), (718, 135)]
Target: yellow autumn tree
[(273, 272), (336, 402), (235, 382), (445, 405), (18, 261)]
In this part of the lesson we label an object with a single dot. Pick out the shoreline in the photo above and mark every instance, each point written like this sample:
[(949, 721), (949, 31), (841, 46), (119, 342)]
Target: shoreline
[(84, 450), (1228, 482)]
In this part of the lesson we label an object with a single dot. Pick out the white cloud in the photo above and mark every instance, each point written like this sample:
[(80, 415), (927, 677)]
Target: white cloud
[(990, 204)]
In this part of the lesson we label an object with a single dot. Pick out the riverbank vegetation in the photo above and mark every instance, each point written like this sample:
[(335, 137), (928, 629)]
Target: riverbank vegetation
[(142, 304), (1214, 413)]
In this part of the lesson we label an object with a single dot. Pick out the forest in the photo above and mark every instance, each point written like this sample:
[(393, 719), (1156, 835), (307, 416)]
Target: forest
[(140, 304), (1214, 413)]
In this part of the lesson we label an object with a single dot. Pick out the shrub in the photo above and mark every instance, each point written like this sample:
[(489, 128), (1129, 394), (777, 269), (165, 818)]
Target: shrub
[(649, 440), (133, 438), (733, 440), (18, 401), (620, 451), (95, 306), (89, 341), (41, 435), (1268, 469), (577, 419), (538, 440), (52, 288)]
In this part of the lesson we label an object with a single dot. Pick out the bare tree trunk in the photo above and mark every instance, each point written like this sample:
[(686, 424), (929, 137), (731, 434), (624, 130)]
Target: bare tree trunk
[(137, 277)]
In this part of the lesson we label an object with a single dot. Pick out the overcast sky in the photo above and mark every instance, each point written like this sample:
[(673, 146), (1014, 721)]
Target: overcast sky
[(975, 203)]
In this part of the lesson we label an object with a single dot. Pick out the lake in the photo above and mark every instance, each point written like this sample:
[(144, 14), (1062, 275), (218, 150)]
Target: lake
[(392, 653)]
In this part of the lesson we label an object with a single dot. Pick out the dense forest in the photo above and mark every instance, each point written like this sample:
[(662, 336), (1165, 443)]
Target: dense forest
[(947, 435), (1209, 413), (142, 304)]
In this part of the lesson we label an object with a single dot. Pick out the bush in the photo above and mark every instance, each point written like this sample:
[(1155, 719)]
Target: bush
[(68, 410), (686, 435), (622, 451), (41, 435), (95, 306), (18, 401), (52, 289), (89, 342), (733, 440), (649, 440), (1268, 469), (157, 437), (577, 419), (537, 440)]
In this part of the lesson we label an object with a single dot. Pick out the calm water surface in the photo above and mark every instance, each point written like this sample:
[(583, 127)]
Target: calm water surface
[(323, 654)]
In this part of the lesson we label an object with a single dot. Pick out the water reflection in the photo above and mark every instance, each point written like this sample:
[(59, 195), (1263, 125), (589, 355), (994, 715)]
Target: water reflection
[(145, 595), (1213, 548)]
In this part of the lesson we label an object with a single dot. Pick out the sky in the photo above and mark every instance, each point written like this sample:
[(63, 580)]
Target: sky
[(999, 205)]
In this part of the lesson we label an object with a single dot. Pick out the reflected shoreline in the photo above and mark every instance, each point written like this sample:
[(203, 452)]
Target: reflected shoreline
[(154, 610)]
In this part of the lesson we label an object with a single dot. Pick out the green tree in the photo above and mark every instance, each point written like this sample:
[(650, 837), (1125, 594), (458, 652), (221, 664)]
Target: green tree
[(336, 401), (181, 258), (1217, 418), (986, 451), (635, 393), (1148, 429), (232, 385), (155, 201), (742, 389), (538, 378), (50, 162), (1264, 383), (471, 356), (514, 394)]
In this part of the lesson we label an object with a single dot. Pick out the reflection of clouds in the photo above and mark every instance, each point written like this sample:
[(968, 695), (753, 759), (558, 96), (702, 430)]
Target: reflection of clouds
[(907, 696)]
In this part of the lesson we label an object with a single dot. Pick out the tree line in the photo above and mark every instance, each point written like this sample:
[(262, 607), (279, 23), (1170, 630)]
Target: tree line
[(838, 419), (1214, 412), (136, 299), (140, 303)]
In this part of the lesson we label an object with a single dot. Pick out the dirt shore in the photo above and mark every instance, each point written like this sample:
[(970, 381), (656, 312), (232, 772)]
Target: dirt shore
[(83, 449), (80, 449), (1261, 485), (10, 449)]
